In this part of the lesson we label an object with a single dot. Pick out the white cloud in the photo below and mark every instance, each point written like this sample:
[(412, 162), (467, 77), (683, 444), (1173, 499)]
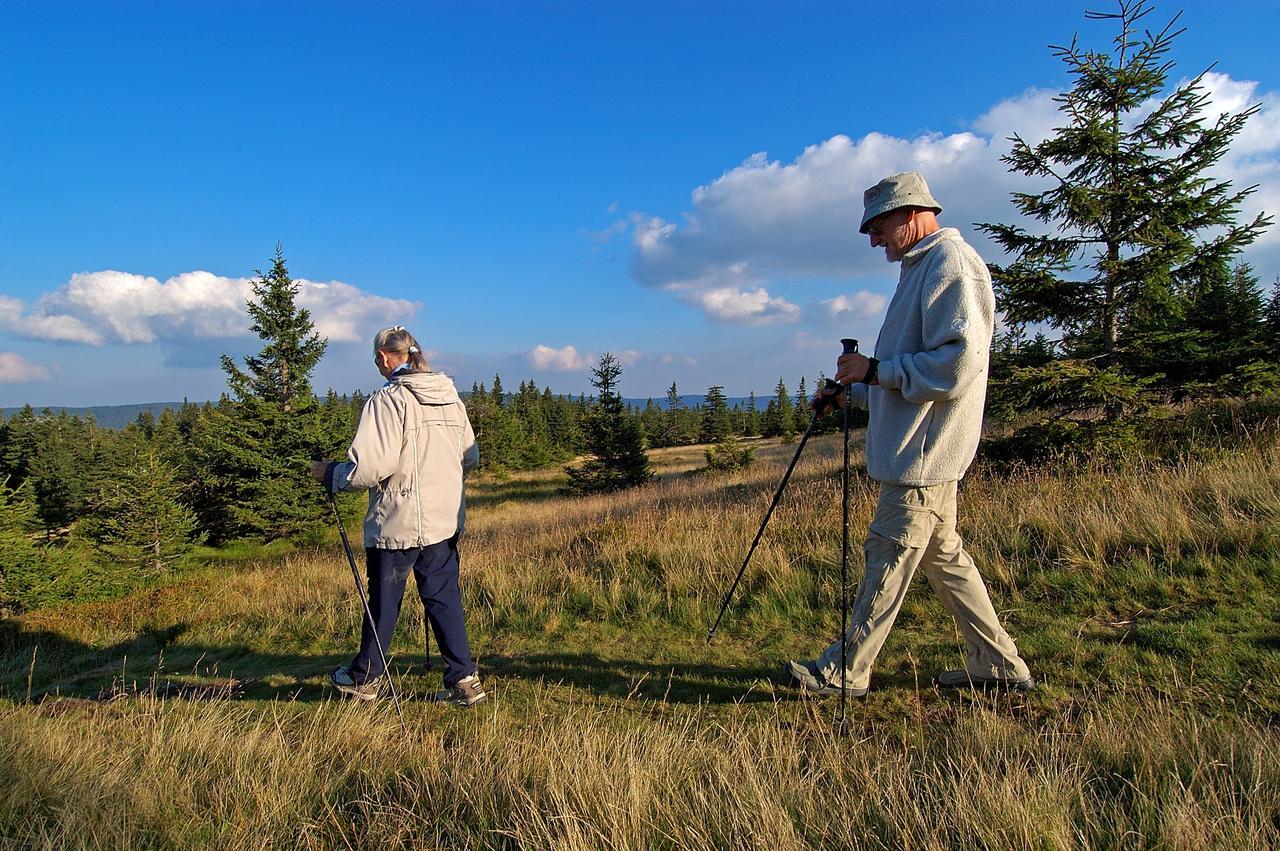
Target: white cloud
[(768, 223), (1254, 157), (752, 307), (10, 310), (861, 305), (1032, 115), (565, 359), (766, 220), (97, 308), (15, 369)]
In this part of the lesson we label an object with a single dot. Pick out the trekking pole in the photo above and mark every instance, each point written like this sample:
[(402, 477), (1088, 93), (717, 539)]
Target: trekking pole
[(364, 602), (817, 412), (850, 347)]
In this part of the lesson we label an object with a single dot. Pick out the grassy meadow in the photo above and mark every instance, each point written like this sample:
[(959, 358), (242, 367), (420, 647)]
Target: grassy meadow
[(1146, 599)]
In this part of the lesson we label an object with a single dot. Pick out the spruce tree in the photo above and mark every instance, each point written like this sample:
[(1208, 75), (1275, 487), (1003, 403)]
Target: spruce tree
[(717, 422), (802, 396), (1271, 322), (780, 415), (614, 439), (138, 520), (20, 446), (22, 565), (255, 445), (1131, 204), (1226, 320), (751, 418)]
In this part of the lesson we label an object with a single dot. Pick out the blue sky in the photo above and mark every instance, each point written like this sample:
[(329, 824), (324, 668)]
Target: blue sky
[(522, 185)]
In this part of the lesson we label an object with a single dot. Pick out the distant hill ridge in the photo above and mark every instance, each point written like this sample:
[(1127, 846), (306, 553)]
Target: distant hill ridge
[(108, 416), (118, 416)]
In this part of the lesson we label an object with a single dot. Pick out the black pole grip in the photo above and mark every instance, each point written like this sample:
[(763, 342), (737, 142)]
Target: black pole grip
[(850, 345)]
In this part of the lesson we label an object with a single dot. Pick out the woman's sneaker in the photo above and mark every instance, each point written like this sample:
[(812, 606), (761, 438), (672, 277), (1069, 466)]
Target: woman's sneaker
[(342, 680), (466, 692)]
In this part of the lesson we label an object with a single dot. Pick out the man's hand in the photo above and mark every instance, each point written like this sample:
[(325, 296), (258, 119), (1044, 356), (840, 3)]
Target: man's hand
[(852, 368), (317, 470)]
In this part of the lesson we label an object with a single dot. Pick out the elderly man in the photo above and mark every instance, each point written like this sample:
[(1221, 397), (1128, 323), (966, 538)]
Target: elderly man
[(924, 390)]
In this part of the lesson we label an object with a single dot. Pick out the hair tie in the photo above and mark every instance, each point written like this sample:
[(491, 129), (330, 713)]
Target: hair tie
[(413, 350)]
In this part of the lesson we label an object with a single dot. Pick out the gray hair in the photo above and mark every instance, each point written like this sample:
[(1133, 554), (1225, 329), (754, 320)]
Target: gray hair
[(398, 340)]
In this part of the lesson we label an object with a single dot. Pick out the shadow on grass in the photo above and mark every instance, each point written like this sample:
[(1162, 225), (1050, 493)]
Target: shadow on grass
[(674, 682), (37, 664)]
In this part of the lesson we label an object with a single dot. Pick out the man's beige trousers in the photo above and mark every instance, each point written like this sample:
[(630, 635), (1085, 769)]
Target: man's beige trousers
[(916, 528)]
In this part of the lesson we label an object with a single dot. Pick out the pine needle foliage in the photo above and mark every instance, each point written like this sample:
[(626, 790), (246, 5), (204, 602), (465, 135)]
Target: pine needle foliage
[(139, 522), (614, 439), (254, 446), (1131, 226)]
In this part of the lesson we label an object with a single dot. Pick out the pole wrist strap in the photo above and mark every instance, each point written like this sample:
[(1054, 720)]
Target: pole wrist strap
[(871, 371)]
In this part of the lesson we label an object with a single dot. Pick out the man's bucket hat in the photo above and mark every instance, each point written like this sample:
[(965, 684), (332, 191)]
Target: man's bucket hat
[(901, 190)]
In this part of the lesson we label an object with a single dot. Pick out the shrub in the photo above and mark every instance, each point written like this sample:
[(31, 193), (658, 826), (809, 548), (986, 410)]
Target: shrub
[(727, 455)]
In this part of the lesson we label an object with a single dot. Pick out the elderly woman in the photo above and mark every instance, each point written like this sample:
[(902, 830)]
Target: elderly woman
[(412, 448)]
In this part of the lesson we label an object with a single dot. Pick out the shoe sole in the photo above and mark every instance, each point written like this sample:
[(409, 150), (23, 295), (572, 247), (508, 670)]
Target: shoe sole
[(816, 690)]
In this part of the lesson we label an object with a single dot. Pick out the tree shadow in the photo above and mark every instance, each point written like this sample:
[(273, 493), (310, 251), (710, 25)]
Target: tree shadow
[(36, 665), (669, 682)]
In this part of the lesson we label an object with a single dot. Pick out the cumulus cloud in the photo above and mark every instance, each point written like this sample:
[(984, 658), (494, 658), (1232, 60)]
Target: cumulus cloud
[(564, 359), (1254, 157), (96, 308), (767, 223), (765, 220), (861, 305), (752, 307), (567, 358), (15, 369)]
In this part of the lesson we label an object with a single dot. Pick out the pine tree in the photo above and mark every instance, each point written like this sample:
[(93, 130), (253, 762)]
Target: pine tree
[(254, 447), (22, 566), (138, 520), (1271, 322), (20, 446), (1226, 320), (780, 415), (802, 396), (717, 422), (1131, 201), (562, 424), (614, 439), (751, 417), (534, 437)]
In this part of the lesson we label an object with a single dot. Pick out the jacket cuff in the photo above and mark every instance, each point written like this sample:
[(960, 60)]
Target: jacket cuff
[(328, 476), (889, 374)]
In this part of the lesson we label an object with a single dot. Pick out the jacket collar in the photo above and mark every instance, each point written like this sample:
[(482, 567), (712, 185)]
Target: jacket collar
[(921, 248)]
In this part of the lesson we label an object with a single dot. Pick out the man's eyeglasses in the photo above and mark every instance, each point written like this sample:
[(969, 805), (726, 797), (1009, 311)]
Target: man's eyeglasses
[(877, 226)]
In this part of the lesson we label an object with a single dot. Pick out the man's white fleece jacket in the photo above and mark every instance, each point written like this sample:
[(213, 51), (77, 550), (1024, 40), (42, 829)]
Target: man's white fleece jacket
[(934, 349)]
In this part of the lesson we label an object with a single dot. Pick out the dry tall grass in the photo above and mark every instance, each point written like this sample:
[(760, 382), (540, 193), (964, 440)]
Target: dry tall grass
[(613, 726)]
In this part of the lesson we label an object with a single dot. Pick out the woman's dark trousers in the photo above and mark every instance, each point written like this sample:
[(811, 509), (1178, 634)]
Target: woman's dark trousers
[(435, 569)]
